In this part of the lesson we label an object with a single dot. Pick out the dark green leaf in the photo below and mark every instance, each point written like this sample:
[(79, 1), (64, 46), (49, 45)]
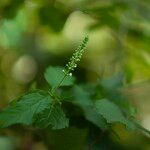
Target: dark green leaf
[(112, 113), (113, 91), (82, 99), (53, 116), (25, 109)]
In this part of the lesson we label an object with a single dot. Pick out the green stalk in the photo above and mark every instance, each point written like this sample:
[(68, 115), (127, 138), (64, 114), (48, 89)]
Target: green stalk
[(71, 65)]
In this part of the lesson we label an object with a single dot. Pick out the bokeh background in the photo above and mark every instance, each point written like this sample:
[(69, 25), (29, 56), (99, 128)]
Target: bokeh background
[(37, 33)]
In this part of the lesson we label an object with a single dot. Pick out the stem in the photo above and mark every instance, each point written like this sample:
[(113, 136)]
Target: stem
[(53, 91), (72, 64), (61, 81), (142, 128)]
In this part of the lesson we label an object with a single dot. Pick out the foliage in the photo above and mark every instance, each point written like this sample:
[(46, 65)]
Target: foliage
[(91, 108), (23, 110), (53, 75), (43, 108)]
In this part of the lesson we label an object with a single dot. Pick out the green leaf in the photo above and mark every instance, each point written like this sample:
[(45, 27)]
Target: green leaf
[(112, 87), (25, 109), (81, 97), (93, 116), (112, 113), (54, 75), (83, 100), (53, 116)]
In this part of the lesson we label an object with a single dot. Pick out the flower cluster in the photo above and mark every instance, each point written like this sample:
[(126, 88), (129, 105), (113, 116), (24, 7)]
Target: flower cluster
[(72, 64)]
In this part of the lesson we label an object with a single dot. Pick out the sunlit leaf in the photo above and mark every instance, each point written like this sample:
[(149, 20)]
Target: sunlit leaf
[(54, 76)]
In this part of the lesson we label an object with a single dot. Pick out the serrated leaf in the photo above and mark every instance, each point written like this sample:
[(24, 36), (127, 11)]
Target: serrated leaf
[(112, 87), (82, 99), (25, 109), (54, 75), (112, 113), (53, 116), (93, 116)]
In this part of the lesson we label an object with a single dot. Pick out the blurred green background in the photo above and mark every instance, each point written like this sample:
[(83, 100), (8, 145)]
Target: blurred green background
[(37, 33)]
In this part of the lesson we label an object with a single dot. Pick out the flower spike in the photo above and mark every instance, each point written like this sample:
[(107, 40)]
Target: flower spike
[(76, 57)]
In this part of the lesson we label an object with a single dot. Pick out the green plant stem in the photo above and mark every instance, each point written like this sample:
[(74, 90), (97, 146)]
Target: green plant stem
[(142, 128), (53, 92), (61, 81), (55, 98)]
